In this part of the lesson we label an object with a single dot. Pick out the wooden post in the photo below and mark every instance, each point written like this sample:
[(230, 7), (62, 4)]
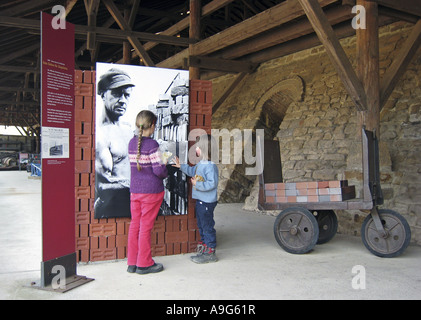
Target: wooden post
[(127, 54), (194, 32), (368, 65)]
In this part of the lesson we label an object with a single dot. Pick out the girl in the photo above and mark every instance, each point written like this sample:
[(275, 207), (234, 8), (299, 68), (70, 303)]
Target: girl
[(205, 186), (146, 194)]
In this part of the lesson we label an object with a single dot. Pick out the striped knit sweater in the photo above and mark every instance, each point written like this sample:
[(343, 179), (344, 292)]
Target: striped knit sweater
[(149, 179)]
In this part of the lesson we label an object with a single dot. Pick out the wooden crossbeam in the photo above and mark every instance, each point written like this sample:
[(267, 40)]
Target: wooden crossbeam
[(400, 64), (335, 52), (228, 91), (408, 6), (262, 22), (230, 66), (31, 24), (122, 23)]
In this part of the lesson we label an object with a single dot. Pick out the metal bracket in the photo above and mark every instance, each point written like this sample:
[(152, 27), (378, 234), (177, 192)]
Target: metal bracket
[(378, 223)]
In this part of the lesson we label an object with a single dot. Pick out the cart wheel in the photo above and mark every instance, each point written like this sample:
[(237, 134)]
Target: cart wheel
[(398, 234), (328, 225), (296, 230)]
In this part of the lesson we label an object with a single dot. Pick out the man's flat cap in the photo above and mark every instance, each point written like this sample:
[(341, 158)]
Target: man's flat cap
[(114, 78)]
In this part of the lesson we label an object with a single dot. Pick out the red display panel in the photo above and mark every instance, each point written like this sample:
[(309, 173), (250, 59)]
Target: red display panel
[(57, 138)]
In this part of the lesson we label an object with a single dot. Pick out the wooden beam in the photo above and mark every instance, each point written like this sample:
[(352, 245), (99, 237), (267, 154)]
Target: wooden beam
[(91, 7), (335, 52), (368, 65), (400, 64), (292, 31), (183, 24), (15, 89), (264, 21), (228, 91), (230, 66), (118, 17), (69, 6), (31, 24), (26, 7), (408, 6), (18, 69), (194, 33)]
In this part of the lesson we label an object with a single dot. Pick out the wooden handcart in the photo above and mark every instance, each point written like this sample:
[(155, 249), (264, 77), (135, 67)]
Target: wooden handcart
[(301, 225)]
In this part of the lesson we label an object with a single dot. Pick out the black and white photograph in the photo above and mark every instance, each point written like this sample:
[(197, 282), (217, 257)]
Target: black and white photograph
[(122, 92)]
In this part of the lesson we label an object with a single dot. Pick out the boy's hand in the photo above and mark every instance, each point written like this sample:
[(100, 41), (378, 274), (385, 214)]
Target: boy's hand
[(193, 181), (177, 162)]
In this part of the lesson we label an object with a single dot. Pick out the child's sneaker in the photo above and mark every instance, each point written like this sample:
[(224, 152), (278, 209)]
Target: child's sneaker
[(207, 255)]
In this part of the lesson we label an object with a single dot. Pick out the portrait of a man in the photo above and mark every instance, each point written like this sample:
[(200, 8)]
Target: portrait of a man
[(111, 155)]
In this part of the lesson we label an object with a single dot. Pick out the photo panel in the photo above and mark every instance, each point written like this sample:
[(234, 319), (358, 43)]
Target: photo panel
[(165, 92)]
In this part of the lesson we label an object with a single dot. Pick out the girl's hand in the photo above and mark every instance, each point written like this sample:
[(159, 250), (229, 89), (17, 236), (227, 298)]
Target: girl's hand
[(177, 162)]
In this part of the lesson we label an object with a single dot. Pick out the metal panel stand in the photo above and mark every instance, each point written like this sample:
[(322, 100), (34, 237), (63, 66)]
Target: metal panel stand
[(59, 275)]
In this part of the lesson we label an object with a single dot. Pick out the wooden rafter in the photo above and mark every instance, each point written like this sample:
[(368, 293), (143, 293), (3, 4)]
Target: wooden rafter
[(122, 23), (401, 62), (262, 22), (109, 34), (335, 52)]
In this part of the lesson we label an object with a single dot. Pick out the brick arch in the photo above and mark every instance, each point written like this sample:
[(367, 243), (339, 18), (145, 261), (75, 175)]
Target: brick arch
[(274, 103)]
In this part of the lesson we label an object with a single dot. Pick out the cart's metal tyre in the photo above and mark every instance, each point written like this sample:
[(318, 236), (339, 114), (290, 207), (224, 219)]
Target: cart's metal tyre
[(328, 225), (396, 240), (296, 230)]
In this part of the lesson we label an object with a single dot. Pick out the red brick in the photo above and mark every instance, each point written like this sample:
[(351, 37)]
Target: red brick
[(159, 250), (78, 76), (280, 193), (323, 191), (82, 243), (312, 185), (323, 184), (270, 199), (301, 185), (269, 186), (78, 104), (313, 198), (121, 252), (302, 192), (291, 199), (82, 166), (94, 241), (103, 229), (280, 186), (281, 199), (87, 77), (178, 236), (312, 192), (83, 192), (102, 254), (84, 255), (83, 217), (84, 179), (84, 89)]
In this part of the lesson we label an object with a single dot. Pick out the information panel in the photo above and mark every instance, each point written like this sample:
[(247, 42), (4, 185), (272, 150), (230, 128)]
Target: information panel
[(57, 140)]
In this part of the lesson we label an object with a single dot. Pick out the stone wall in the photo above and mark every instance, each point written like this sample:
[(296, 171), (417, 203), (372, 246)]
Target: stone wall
[(300, 100)]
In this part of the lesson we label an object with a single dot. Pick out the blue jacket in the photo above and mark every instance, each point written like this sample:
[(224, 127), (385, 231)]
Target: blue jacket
[(207, 180)]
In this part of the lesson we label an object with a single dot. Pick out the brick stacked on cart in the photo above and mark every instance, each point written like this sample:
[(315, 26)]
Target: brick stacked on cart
[(314, 191)]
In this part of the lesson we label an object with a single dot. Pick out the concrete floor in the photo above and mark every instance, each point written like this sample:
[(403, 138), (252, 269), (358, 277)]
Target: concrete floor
[(252, 266)]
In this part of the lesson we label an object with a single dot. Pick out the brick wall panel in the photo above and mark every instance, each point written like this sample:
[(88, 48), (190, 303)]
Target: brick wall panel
[(106, 239)]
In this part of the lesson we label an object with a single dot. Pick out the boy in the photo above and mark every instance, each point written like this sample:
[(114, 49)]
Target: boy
[(205, 185)]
